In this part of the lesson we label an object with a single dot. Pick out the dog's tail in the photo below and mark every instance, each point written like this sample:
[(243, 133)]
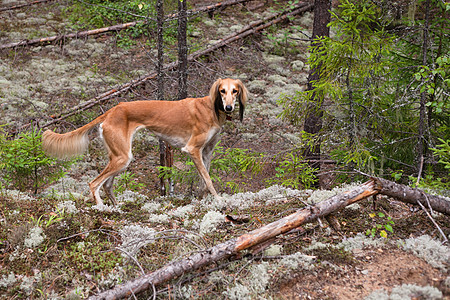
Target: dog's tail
[(69, 144)]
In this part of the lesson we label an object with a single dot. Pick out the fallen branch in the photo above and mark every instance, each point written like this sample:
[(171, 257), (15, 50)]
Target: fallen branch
[(246, 31), (118, 27), (234, 246), (23, 5), (408, 194)]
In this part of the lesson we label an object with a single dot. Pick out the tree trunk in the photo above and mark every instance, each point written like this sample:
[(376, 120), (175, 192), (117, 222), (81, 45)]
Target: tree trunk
[(408, 194), (423, 96), (160, 86), (313, 120), (182, 50)]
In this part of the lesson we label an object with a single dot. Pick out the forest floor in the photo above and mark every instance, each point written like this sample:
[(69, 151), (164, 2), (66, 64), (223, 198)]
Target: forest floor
[(57, 244)]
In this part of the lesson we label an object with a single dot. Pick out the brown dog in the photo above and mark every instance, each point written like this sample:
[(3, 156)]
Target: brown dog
[(192, 124)]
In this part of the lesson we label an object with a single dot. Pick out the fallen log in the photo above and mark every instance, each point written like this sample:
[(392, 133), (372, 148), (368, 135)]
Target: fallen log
[(22, 5), (118, 27), (411, 195), (246, 31), (236, 245)]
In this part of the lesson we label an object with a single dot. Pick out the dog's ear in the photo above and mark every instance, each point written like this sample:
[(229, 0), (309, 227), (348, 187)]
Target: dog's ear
[(243, 97), (215, 97), (214, 91)]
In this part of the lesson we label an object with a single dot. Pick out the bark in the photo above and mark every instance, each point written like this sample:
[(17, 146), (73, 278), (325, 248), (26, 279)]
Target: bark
[(423, 95), (313, 121), (63, 37), (411, 195), (246, 31), (182, 50), (160, 83), (234, 246)]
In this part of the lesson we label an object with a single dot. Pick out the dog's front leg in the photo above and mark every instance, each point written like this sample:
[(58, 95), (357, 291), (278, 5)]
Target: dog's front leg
[(207, 156), (196, 156)]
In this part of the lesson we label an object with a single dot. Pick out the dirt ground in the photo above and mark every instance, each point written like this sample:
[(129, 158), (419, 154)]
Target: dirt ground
[(377, 269)]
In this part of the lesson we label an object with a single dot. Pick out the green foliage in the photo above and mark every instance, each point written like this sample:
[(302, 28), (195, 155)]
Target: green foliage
[(23, 163), (52, 219), (282, 41), (369, 90), (97, 13), (92, 256), (382, 226), (293, 171), (239, 162), (443, 152), (127, 181)]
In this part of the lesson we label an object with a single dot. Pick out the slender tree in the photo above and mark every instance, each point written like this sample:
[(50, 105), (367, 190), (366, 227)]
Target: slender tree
[(313, 120), (163, 146), (423, 94), (182, 50)]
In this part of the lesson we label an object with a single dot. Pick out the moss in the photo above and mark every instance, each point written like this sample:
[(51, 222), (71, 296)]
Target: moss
[(407, 292), (361, 241), (210, 221), (134, 237), (430, 250)]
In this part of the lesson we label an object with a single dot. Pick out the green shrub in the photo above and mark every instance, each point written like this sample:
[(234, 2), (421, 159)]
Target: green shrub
[(293, 171), (23, 163)]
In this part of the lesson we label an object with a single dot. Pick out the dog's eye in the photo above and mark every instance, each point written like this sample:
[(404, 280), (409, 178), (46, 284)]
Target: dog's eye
[(234, 91), (222, 91)]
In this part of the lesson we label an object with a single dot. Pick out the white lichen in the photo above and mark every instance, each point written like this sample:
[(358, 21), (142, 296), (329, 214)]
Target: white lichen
[(159, 218), (361, 241), (430, 250), (210, 222), (131, 196), (151, 206), (34, 238), (134, 237), (273, 250), (8, 280), (407, 292), (182, 211), (67, 207)]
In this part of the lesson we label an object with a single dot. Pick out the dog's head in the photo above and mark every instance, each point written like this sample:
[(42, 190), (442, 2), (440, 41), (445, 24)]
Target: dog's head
[(225, 93)]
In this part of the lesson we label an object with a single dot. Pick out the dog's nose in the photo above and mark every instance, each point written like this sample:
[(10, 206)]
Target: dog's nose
[(228, 108)]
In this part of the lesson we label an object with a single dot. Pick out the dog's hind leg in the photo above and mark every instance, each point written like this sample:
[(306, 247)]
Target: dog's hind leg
[(106, 177), (108, 188), (118, 144)]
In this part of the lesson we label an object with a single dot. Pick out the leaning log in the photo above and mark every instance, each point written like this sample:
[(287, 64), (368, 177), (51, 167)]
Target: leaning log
[(244, 32), (411, 195), (236, 245), (118, 27)]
